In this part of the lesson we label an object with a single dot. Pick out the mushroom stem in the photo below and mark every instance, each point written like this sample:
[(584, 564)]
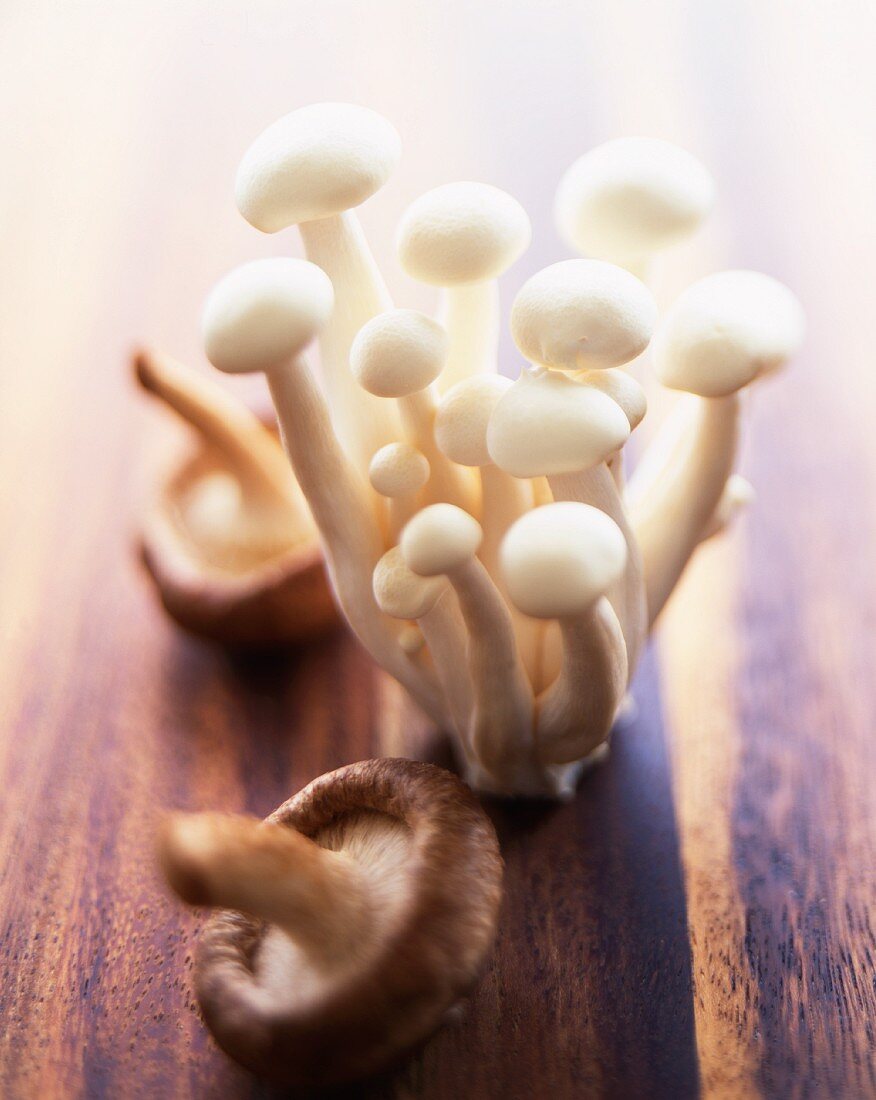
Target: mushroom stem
[(470, 313), (346, 523), (500, 730), (444, 630), (670, 522), (337, 244), (228, 425), (447, 482), (575, 714), (505, 499), (597, 486), (738, 492), (657, 459), (318, 897)]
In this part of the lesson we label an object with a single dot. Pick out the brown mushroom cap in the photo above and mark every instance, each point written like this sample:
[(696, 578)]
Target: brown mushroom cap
[(431, 860), (233, 557), (257, 596)]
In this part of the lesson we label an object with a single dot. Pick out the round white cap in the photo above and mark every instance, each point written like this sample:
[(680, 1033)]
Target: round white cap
[(463, 417), (400, 592), (440, 539), (317, 161), (398, 469), (265, 312), (557, 560), (398, 353), (462, 233), (725, 330), (632, 197), (582, 315), (547, 423)]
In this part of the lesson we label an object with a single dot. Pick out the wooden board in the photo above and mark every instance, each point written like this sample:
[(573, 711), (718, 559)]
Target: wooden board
[(700, 920)]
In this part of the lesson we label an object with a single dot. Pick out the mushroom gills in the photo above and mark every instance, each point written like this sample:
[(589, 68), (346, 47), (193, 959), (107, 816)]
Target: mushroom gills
[(284, 972)]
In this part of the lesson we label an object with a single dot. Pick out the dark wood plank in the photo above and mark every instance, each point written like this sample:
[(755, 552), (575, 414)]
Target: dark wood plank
[(699, 919)]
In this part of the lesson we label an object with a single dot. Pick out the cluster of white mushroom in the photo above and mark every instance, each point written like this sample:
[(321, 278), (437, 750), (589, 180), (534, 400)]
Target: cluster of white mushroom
[(478, 531)]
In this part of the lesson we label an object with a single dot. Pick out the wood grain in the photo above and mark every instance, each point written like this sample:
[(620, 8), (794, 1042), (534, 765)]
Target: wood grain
[(700, 920)]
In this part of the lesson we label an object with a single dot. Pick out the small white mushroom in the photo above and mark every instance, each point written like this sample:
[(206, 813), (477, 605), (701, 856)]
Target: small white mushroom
[(721, 334), (546, 423), (463, 236), (582, 315), (399, 471), (399, 354), (443, 540), (260, 317), (630, 198), (558, 562), (311, 168)]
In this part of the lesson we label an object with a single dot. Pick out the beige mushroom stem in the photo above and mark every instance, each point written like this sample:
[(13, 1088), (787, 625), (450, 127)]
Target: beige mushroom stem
[(597, 486), (461, 427), (470, 313), (738, 494), (670, 522), (575, 714), (430, 602), (253, 453), (661, 452), (345, 521), (558, 561), (719, 336), (318, 897), (311, 168), (444, 629), (399, 354), (337, 245), (259, 318), (443, 540)]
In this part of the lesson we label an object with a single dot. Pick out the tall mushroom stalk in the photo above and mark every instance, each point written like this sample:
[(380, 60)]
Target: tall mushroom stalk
[(311, 168), (513, 602), (462, 237)]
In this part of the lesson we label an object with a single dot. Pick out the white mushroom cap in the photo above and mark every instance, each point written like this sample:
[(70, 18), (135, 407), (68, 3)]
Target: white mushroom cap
[(583, 315), (547, 423), (462, 233), (264, 312), (317, 161), (632, 197), (557, 560), (463, 417), (401, 593), (398, 353), (725, 330), (622, 388), (398, 469), (440, 539)]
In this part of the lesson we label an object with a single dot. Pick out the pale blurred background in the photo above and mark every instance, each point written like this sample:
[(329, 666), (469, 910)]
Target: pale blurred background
[(121, 126)]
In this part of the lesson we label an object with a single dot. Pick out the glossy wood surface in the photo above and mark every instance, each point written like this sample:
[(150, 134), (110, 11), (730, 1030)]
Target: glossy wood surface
[(700, 920)]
